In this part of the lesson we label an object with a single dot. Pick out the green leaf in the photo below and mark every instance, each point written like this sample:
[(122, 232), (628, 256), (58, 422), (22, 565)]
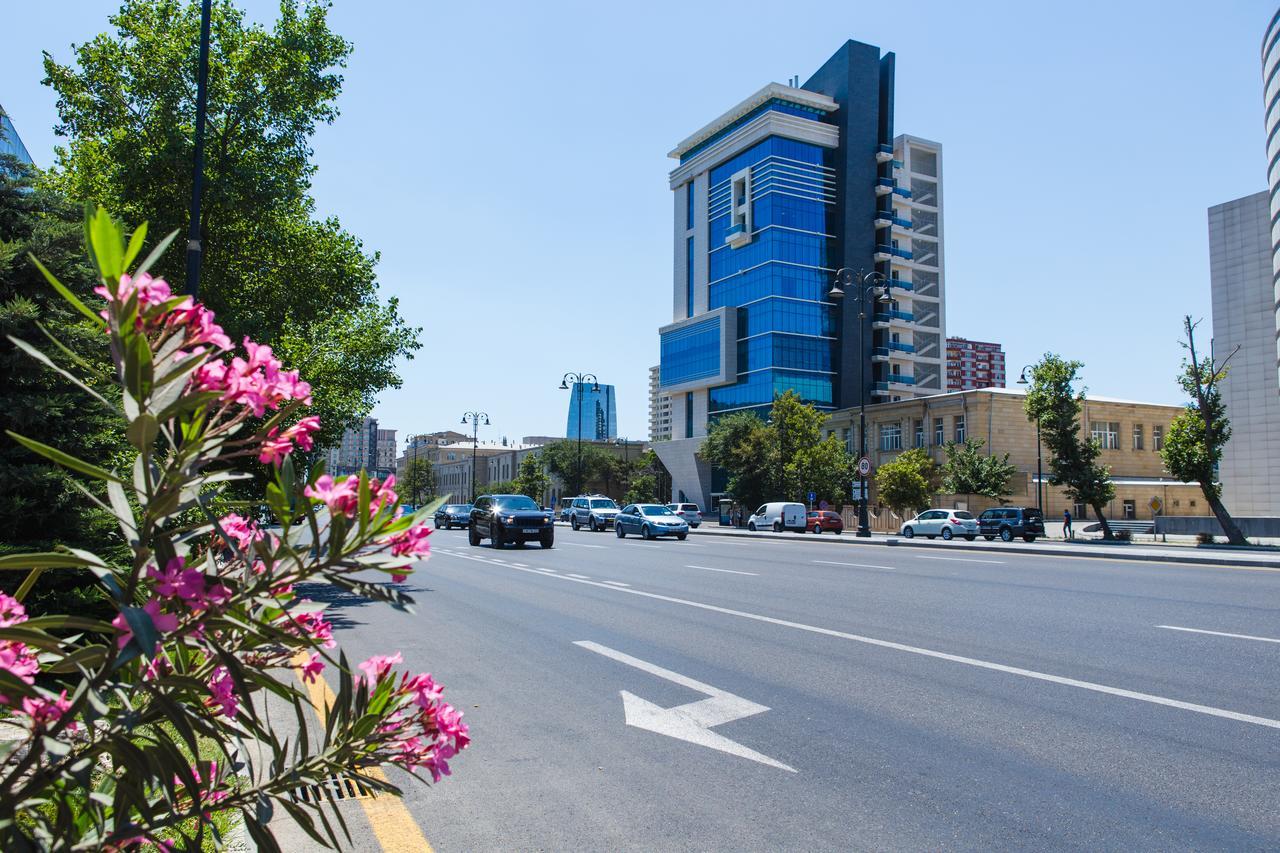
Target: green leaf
[(143, 431), (138, 370), (135, 245), (43, 560), (155, 254), (66, 460), (106, 240), (66, 294), (28, 583), (48, 362), (144, 630)]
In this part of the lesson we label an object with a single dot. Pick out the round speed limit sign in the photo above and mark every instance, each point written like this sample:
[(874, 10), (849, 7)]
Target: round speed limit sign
[(864, 466)]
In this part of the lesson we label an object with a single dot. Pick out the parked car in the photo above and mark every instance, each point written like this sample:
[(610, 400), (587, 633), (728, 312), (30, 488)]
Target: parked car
[(650, 521), (689, 512), (779, 516), (450, 515), (565, 508), (820, 520), (1010, 521), (595, 512), (947, 523), (510, 518)]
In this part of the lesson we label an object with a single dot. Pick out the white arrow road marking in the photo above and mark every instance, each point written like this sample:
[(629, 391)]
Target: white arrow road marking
[(692, 721)]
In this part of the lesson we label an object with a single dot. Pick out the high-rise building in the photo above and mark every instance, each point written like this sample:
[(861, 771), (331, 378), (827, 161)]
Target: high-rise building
[(1271, 123), (771, 199), (593, 411), (10, 142), (1240, 274), (659, 409), (363, 447), (974, 364)]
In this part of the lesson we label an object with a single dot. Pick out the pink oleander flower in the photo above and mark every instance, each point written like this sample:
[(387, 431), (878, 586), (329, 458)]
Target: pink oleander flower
[(164, 622), (222, 692), (208, 791), (377, 667), (410, 543), (11, 611), (20, 661), (150, 291), (312, 668), (244, 531), (43, 712), (424, 689), (381, 494), (311, 625), (200, 328), (449, 721), (191, 585), (341, 498)]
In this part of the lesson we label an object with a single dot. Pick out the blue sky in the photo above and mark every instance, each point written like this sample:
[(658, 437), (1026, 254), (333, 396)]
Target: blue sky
[(509, 162)]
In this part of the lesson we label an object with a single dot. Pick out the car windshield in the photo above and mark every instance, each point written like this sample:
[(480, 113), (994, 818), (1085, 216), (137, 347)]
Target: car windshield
[(1031, 513), (962, 514), (510, 502), (457, 507), (656, 510), (603, 503)]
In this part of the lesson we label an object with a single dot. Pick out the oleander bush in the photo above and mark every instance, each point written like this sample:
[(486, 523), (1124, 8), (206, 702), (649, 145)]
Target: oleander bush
[(149, 728)]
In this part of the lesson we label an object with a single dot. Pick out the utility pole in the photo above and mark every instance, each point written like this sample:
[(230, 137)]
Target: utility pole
[(194, 248)]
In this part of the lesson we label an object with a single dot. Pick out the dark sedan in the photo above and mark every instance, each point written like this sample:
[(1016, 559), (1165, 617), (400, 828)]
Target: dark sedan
[(649, 521), (451, 515), (509, 518)]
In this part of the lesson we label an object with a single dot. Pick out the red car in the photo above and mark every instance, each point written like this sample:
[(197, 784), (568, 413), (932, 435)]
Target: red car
[(820, 520)]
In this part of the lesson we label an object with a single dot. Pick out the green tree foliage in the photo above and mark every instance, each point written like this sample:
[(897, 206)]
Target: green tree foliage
[(271, 269), (500, 487), (647, 478), (1073, 461), (600, 468), (418, 482), (969, 471), (743, 446), (1198, 434), (907, 483), (532, 480)]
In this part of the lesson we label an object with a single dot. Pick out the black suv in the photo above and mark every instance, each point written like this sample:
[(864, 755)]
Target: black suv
[(509, 518), (1010, 521)]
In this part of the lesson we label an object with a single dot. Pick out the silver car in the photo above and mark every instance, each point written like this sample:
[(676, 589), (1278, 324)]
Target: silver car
[(689, 512), (947, 523), (594, 512)]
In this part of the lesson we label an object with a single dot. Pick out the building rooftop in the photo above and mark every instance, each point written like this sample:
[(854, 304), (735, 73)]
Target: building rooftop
[(803, 97), (1019, 392)]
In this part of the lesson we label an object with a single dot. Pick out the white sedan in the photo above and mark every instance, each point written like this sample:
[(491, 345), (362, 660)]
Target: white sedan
[(947, 523)]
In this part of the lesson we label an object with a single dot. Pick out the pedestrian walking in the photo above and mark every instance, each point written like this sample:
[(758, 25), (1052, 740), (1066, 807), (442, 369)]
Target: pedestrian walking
[(1066, 524)]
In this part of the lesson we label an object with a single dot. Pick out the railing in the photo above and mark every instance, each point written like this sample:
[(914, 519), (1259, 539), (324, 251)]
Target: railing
[(900, 283), (885, 182), (902, 379), (880, 386), (902, 191), (894, 345), (899, 221), (886, 316), (894, 250), (887, 149)]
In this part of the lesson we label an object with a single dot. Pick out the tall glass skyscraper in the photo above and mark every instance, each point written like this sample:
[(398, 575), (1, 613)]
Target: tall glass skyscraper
[(595, 410), (10, 142), (771, 199)]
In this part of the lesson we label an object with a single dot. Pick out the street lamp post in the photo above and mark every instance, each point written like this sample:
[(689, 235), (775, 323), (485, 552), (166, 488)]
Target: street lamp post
[(579, 381), (474, 418), (197, 184), (413, 470), (864, 286), (1022, 380)]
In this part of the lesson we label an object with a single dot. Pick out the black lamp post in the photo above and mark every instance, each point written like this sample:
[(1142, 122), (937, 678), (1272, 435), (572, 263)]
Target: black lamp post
[(1022, 380), (474, 418), (580, 380), (197, 183), (413, 470), (864, 286)]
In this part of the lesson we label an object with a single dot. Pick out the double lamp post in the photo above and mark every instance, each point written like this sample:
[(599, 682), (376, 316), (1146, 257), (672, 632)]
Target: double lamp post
[(474, 418), (579, 384)]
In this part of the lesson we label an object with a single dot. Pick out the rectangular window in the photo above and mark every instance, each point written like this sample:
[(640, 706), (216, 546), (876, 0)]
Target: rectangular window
[(959, 429), (688, 282), (1137, 436), (1130, 510), (891, 436), (848, 440), (939, 433), (688, 207), (919, 433), (1106, 433), (1157, 438), (688, 415)]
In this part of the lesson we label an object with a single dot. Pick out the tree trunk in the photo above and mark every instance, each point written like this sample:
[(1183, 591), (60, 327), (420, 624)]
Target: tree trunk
[(1229, 526), (1102, 519)]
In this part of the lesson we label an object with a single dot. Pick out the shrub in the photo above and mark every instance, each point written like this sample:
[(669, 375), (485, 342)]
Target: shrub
[(121, 715), (1204, 538), (1124, 535)]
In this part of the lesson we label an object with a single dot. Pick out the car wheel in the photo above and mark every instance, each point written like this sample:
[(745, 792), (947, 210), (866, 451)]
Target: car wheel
[(817, 530), (969, 537), (681, 536), (908, 533), (1028, 538), (618, 531), (777, 527), (694, 526), (987, 537), (573, 522), (751, 525), (1006, 535), (495, 536), (645, 532), (947, 534), (473, 536), (547, 540), (437, 525)]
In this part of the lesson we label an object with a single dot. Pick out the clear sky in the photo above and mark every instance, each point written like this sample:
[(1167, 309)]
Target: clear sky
[(509, 162)]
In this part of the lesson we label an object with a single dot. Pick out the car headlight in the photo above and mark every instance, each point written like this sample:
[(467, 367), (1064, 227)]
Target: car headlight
[(510, 519)]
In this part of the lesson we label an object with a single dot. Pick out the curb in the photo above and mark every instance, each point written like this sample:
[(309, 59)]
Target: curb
[(1116, 554)]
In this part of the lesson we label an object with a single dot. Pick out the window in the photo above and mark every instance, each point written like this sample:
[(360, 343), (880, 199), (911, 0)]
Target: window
[(1157, 440), (1106, 433), (848, 440), (688, 283), (1130, 510), (939, 433), (919, 433), (891, 436), (1137, 436), (959, 429), (688, 415), (688, 207), (1079, 510)]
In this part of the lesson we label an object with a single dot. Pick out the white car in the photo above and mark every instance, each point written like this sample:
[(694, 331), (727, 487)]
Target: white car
[(778, 517), (947, 523), (689, 512)]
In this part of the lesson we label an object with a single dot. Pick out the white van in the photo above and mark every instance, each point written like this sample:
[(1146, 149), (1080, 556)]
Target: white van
[(778, 517)]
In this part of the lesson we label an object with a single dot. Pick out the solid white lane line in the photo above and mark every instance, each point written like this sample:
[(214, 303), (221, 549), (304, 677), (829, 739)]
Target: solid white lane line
[(916, 650), (726, 571), (1221, 634), (643, 545), (856, 565), (960, 560), (582, 545), (579, 577), (692, 545), (616, 583)]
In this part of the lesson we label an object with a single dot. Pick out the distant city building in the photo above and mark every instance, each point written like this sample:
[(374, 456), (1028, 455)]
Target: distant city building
[(1271, 125), (11, 142), (659, 408), (974, 364), (364, 447), (1241, 282), (593, 409)]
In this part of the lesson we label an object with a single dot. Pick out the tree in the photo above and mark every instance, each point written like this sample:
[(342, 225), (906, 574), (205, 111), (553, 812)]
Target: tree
[(742, 445), (561, 459), (969, 471), (1193, 448), (271, 270), (419, 480), (905, 483), (532, 480), (1072, 461)]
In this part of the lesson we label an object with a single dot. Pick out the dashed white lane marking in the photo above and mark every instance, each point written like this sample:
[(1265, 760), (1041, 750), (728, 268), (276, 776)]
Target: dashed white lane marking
[(643, 545), (960, 560), (520, 565), (726, 571), (856, 565), (916, 650), (579, 577), (582, 545), (616, 583), (1221, 634)]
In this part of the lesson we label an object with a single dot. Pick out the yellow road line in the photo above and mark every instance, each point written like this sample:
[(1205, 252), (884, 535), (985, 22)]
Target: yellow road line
[(394, 827)]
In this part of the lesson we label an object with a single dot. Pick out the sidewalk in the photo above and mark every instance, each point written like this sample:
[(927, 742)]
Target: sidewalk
[(1261, 557)]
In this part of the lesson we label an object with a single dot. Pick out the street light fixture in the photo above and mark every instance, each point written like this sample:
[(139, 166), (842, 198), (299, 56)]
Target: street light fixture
[(580, 380), (1022, 380), (474, 418), (865, 287)]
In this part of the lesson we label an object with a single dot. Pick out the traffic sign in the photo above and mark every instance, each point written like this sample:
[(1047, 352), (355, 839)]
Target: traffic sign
[(812, 497), (1156, 504), (858, 494), (864, 466)]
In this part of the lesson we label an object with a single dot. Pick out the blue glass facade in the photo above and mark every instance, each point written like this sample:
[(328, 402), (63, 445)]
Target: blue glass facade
[(596, 411), (10, 142), (690, 353)]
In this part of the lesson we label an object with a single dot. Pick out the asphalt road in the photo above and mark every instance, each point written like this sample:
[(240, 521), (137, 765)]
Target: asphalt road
[(916, 697)]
